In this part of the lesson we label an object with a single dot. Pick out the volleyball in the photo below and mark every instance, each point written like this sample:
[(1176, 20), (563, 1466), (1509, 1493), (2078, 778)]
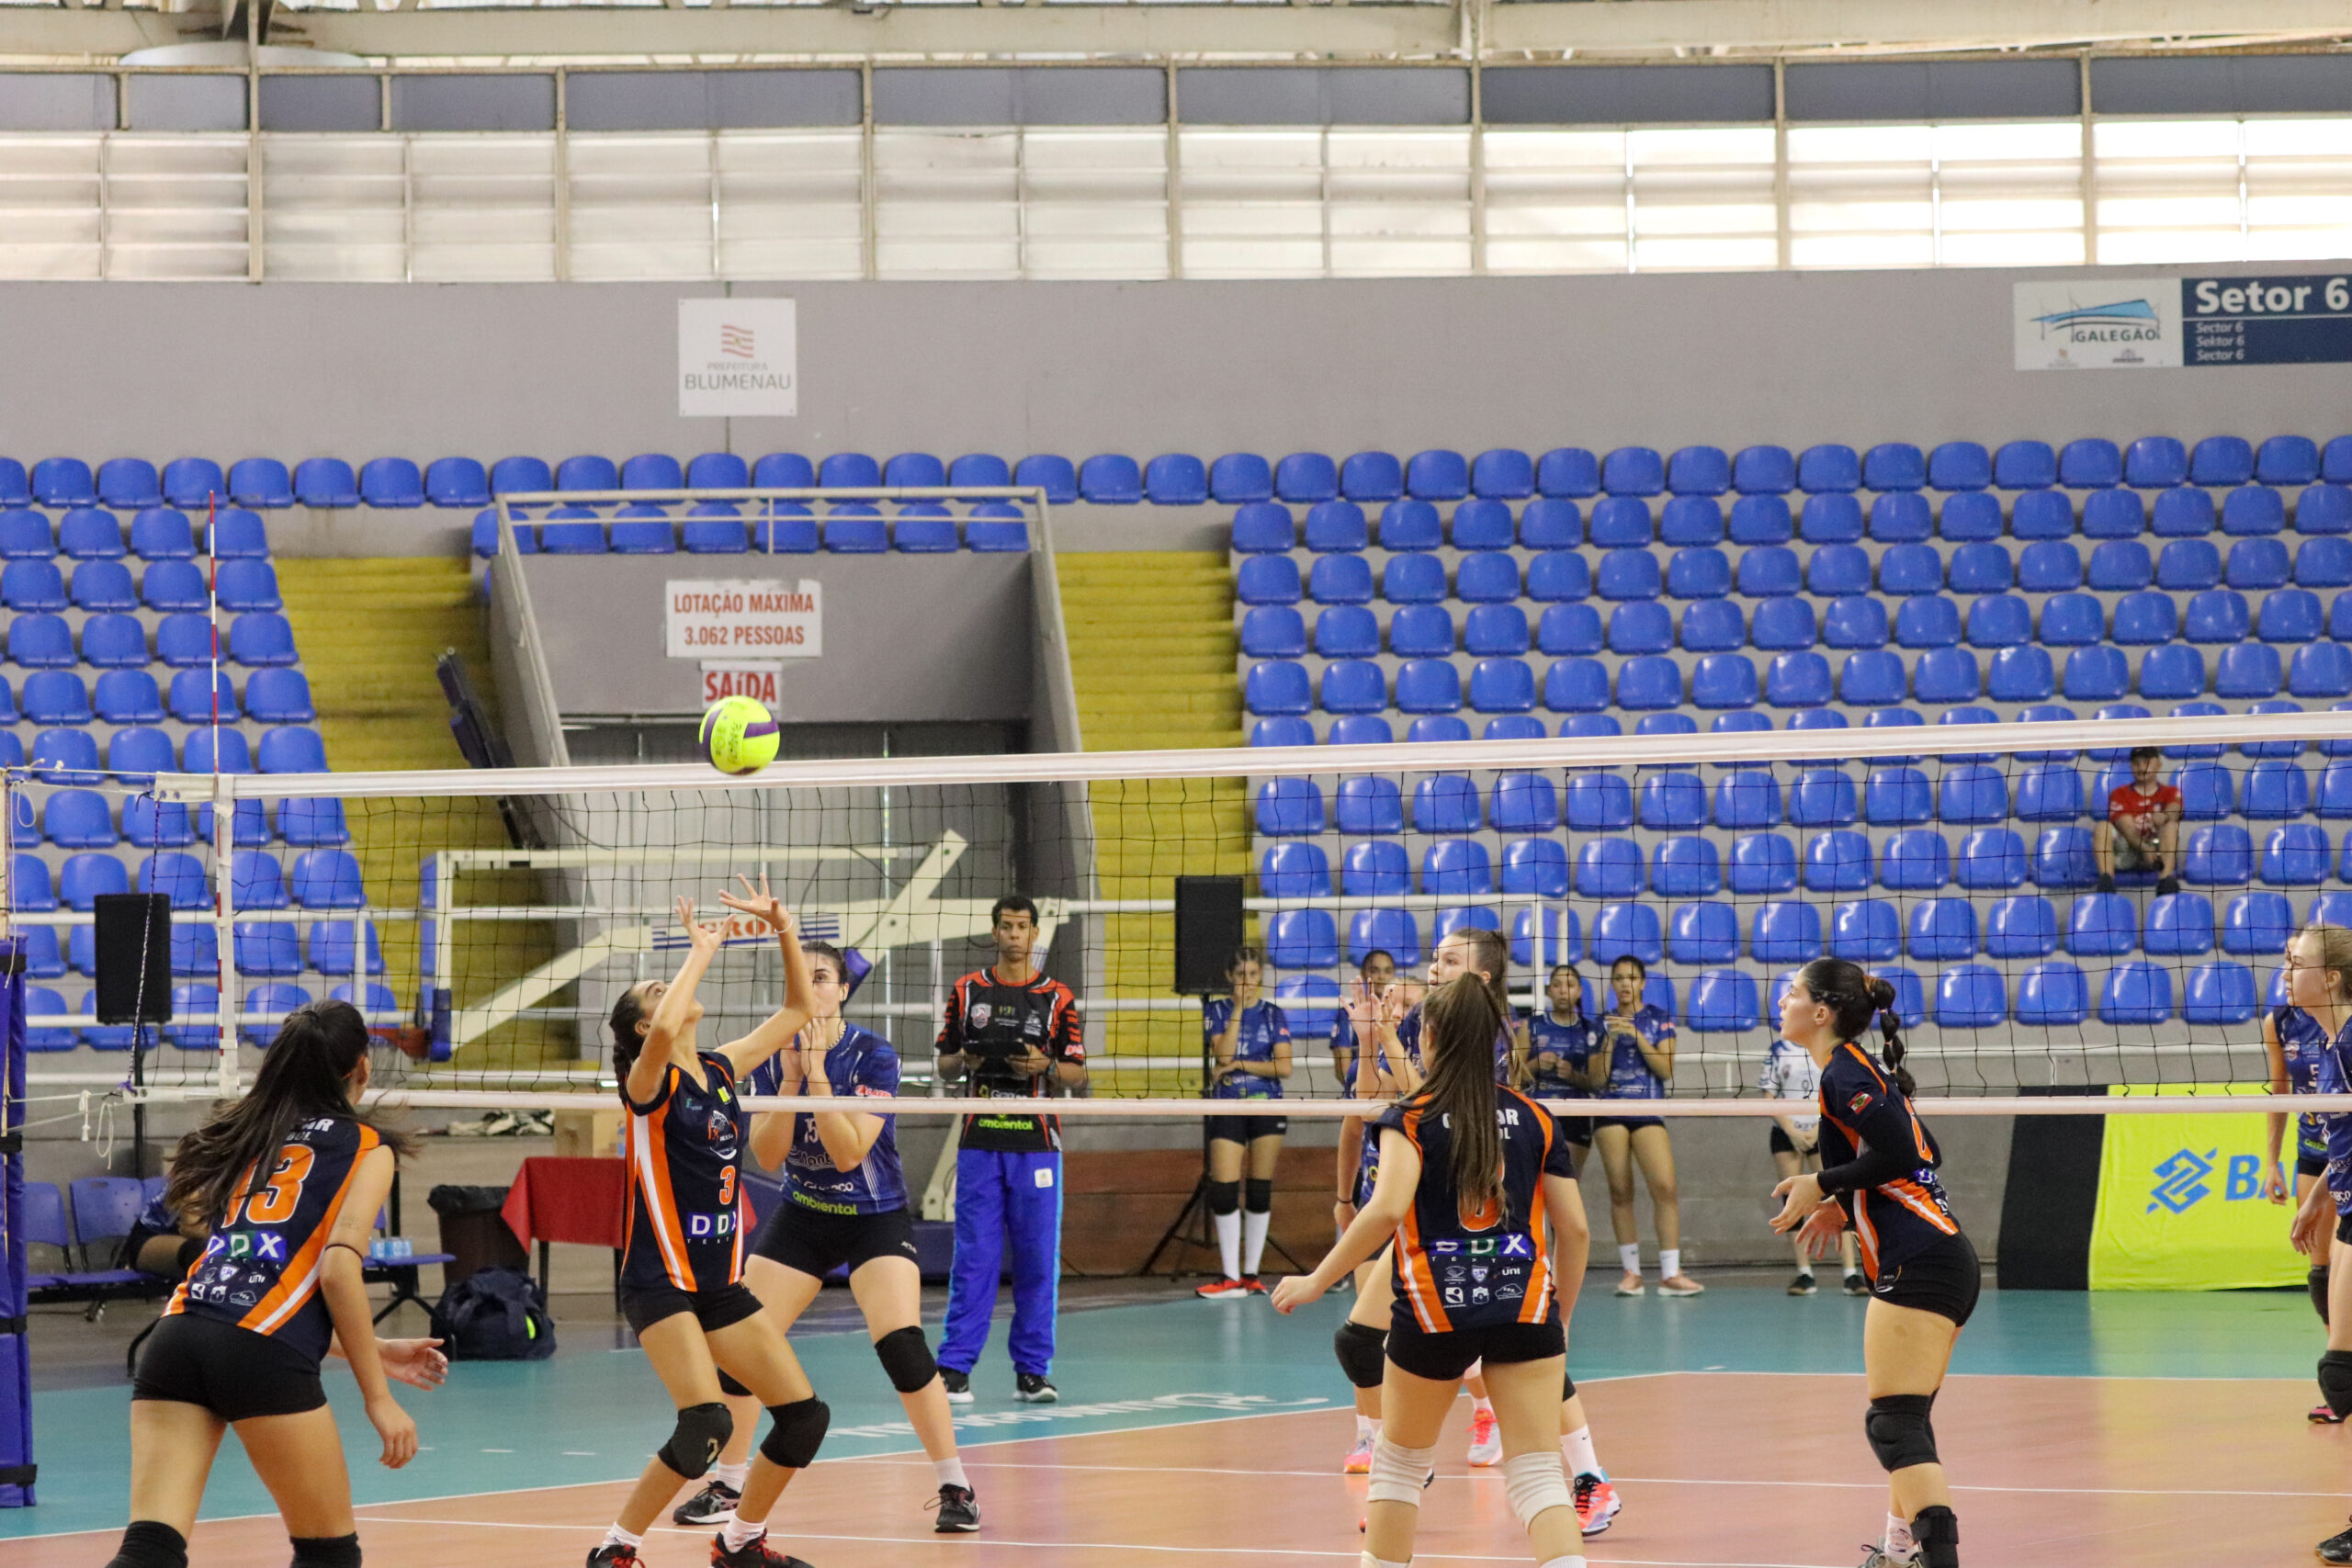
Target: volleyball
[(738, 736)]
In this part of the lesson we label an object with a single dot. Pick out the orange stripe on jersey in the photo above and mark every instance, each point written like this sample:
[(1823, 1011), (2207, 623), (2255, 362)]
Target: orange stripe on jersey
[(651, 1153), (1914, 1196), (1409, 1262), (300, 1275)]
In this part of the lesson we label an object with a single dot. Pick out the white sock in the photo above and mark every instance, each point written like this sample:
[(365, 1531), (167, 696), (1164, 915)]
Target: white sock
[(1253, 1241), (1899, 1538), (735, 1535), (949, 1471), (1573, 1560), (732, 1474), (1630, 1255), (1228, 1241), (1804, 1268), (1583, 1458), (1669, 1262), (1369, 1561), (616, 1536), (1481, 1407), (1367, 1428)]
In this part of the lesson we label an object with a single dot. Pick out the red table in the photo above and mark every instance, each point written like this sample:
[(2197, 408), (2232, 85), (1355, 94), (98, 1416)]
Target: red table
[(579, 1200)]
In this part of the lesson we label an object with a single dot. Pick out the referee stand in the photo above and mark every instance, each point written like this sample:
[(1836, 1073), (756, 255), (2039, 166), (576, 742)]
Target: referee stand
[(17, 1467)]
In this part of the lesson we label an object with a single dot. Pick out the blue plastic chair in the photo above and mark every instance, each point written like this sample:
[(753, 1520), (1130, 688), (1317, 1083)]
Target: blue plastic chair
[(1970, 996)]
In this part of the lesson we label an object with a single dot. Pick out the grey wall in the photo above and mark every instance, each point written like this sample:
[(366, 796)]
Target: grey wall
[(907, 638), (358, 370)]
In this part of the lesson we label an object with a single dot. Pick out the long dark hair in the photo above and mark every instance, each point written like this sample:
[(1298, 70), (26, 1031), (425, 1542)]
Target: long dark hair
[(1459, 1023), (1856, 999), (302, 1078), (627, 1013)]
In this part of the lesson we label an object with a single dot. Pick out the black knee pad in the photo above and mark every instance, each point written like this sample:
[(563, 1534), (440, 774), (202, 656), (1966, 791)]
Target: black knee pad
[(1899, 1431), (1936, 1530), (730, 1388), (906, 1360), (797, 1432), (150, 1543), (1260, 1196), (1363, 1352), (2335, 1381), (2316, 1283), (694, 1443), (1224, 1196), (326, 1551), (1567, 1388)]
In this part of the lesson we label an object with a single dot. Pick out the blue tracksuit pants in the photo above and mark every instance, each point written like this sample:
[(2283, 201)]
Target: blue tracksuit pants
[(1000, 1194)]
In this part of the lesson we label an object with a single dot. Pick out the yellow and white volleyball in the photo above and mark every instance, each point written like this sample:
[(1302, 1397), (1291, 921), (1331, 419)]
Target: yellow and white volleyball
[(738, 736)]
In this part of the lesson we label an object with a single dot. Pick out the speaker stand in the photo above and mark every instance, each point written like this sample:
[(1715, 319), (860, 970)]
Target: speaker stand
[(139, 1099)]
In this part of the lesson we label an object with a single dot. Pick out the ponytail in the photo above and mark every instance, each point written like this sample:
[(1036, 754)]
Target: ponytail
[(1857, 1000)]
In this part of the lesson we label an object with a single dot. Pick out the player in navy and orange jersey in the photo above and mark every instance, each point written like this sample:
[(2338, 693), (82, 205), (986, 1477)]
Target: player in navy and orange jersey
[(1009, 1032), (682, 1284), (1471, 1173), (2297, 1045), (1879, 1172), (288, 1181)]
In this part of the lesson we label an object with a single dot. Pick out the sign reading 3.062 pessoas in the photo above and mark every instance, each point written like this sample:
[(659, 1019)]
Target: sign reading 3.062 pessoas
[(2301, 319)]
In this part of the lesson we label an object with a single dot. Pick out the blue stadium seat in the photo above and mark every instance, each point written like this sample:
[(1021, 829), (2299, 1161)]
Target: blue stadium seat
[(857, 471), (1873, 678), (2183, 513), (1981, 569), (1306, 479), (2053, 995), (262, 483), (2324, 563), (1649, 682), (1331, 526), (1642, 627), (1864, 931), (2217, 616), (1838, 571), (1764, 470), (2102, 925), (1770, 571), (2136, 993), (1627, 931), (87, 533), (1558, 576), (1457, 868), (2257, 564), (1502, 686), (2020, 675), (247, 585), (1762, 520), (2253, 510), (2258, 924), (40, 642), (1901, 517), (106, 585), (1706, 932), (83, 878), (78, 820), (2290, 617), (1782, 626), (193, 481), (130, 483), (128, 697), (1697, 572), (2250, 670), (113, 642), (1366, 804), (1686, 520), (234, 755), (178, 877), (1575, 628), (2145, 618), (1502, 474), (2049, 566), (1609, 868), (1234, 479), (1698, 470), (1960, 465), (1280, 688), (2091, 463), (2287, 460), (1347, 632), (1946, 675), (1990, 859), (2219, 855), (1487, 577), (56, 696), (1273, 580), (2119, 566), (1599, 803), (1910, 570), (1673, 802), (325, 482), (1445, 803), (1295, 871), (1371, 476), (1838, 861), (1970, 996), (29, 586), (1393, 932), (1762, 863), (1057, 476), (25, 535), (1896, 796), (2049, 792), (1895, 465), (2180, 925), (1853, 623), (1437, 474), (2298, 855), (1621, 522), (63, 482), (1915, 859), (1972, 794), (1797, 681), (263, 949), (1723, 681), (1971, 518), (1829, 468), (1495, 631), (2208, 791), (1785, 932), (1351, 685), (2173, 671), (1830, 520), (1427, 686), (2071, 620), (320, 879), (1723, 1001), (2189, 565), (1686, 866), (1295, 939), (1575, 686), (1999, 620), (1347, 580), (291, 749), (193, 698), (173, 585), (1823, 798), (2020, 927), (1632, 470), (1176, 479), (2220, 993), (1264, 528), (2324, 509), (1416, 577), (2156, 462)]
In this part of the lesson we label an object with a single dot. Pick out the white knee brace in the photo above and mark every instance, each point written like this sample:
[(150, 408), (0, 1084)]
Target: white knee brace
[(1398, 1473), (1534, 1482)]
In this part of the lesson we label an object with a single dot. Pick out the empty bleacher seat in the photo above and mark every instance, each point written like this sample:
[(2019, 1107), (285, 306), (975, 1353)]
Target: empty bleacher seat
[(1273, 580), (1416, 631), (1970, 996), (2053, 995), (1828, 467), (261, 482), (1783, 625), (2297, 855), (88, 534), (2189, 565), (25, 535), (1576, 686), (1280, 687), (129, 483), (1347, 580), (2253, 510), (2091, 463), (1762, 520), (28, 586), (2156, 462), (1493, 630), (2136, 993), (2217, 616)]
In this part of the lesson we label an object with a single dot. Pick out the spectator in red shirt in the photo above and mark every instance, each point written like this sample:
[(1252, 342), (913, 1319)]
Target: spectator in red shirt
[(2141, 832)]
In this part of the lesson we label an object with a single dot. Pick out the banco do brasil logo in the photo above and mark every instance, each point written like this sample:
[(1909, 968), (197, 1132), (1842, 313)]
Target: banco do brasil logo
[(2180, 1180)]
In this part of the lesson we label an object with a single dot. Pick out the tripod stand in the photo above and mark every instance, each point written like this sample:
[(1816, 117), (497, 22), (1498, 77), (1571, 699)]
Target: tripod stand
[(1194, 1214)]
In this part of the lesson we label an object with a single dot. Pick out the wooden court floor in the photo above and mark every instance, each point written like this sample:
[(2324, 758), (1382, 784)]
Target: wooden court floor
[(1719, 1470)]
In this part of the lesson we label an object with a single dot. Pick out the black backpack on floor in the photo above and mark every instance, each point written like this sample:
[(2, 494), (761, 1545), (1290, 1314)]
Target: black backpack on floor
[(494, 1314)]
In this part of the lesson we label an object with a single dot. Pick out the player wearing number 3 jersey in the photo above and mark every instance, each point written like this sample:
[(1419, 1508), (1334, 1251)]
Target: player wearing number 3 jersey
[(288, 1181)]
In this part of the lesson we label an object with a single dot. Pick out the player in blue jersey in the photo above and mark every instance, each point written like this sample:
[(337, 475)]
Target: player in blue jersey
[(286, 1183), (1374, 997), (845, 1204), (681, 1287), (1636, 1056), (1559, 1054), (2319, 982), (1795, 1144), (2295, 1044), (1879, 1174), (1472, 1174), (1247, 1041)]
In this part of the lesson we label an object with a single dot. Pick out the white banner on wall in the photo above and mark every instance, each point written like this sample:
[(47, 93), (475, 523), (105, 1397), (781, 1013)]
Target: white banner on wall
[(738, 357), (717, 622), (2093, 325)]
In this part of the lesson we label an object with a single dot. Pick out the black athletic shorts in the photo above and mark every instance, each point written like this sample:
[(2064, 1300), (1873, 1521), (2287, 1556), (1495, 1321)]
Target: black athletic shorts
[(1944, 1280), (1574, 1129), (722, 1307), (1630, 1123), (1785, 1145), (2344, 1229), (234, 1372), (2311, 1164), (1446, 1357), (1242, 1129), (816, 1243)]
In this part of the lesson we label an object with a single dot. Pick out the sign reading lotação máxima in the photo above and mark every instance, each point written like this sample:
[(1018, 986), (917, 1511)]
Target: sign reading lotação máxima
[(2093, 324)]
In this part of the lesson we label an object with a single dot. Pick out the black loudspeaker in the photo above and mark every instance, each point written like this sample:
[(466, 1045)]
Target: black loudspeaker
[(1208, 928), (134, 943)]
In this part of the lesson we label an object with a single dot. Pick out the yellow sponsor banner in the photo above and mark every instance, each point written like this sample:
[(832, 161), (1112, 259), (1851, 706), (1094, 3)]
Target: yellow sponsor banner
[(2181, 1206)]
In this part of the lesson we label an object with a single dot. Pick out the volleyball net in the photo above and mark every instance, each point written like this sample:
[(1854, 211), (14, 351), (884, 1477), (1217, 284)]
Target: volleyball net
[(486, 922)]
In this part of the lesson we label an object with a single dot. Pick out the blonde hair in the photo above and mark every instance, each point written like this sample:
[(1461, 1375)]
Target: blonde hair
[(2335, 953)]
